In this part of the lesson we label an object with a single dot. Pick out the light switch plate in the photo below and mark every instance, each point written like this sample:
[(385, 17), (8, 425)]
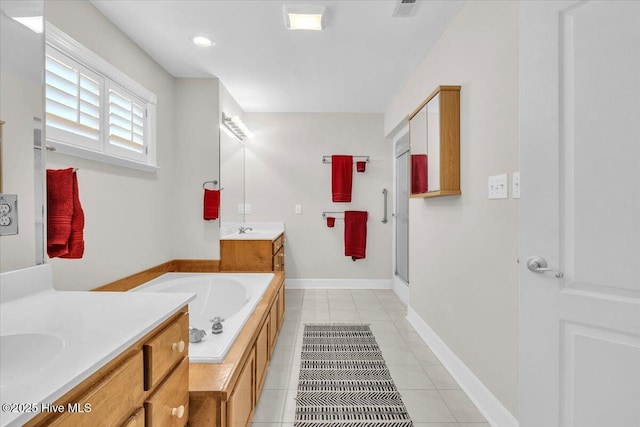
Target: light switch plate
[(8, 214), (498, 187), (515, 192)]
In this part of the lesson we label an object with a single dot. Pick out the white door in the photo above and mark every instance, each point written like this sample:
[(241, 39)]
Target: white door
[(580, 211)]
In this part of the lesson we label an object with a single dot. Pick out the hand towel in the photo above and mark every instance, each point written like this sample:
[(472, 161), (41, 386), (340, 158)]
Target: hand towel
[(75, 244), (331, 221), (211, 204), (355, 234), (419, 182), (361, 166), (341, 178), (59, 210)]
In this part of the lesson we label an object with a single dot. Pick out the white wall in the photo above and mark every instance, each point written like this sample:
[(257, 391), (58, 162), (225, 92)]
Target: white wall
[(463, 250), (197, 160), (127, 211), (284, 168)]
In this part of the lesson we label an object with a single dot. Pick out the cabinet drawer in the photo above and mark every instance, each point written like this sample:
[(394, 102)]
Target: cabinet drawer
[(162, 352), (278, 243), (125, 382), (137, 420), (240, 403), (169, 405)]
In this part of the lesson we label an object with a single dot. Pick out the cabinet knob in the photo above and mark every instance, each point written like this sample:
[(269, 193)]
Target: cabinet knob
[(178, 412), (178, 346)]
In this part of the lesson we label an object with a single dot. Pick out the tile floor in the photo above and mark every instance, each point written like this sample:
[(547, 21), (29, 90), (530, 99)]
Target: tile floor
[(431, 395)]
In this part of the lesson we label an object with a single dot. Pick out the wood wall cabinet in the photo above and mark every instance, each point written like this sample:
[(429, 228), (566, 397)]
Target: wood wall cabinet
[(434, 132), (225, 394), (252, 255), (116, 394)]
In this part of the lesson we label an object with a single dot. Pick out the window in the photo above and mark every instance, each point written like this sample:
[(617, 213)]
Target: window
[(94, 110)]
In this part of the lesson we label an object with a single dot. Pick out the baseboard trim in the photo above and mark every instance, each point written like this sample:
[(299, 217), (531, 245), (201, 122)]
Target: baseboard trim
[(401, 289), (338, 284), (495, 413)]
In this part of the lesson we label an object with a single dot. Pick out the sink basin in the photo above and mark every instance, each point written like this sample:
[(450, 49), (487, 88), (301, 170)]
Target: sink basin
[(254, 235), (24, 355)]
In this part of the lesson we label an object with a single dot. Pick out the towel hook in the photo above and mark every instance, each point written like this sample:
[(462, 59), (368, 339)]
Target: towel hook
[(214, 182)]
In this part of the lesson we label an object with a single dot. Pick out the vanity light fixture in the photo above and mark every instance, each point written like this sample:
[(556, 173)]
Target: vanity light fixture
[(34, 23), (305, 17), (202, 41), (236, 127)]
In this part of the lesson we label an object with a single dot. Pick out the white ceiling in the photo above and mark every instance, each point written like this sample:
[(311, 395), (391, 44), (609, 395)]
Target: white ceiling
[(357, 64)]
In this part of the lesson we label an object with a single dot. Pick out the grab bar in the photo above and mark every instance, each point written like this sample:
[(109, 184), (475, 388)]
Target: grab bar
[(384, 217)]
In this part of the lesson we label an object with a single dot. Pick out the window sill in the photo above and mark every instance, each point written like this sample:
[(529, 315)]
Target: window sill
[(70, 150)]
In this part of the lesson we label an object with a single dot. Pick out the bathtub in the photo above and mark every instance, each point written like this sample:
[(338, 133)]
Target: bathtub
[(232, 296)]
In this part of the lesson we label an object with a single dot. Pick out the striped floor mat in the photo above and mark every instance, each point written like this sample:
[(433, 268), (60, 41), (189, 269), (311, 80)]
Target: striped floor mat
[(344, 380)]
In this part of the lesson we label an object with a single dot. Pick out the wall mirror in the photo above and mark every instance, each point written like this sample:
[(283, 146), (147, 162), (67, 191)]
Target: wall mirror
[(21, 109), (434, 129), (232, 164)]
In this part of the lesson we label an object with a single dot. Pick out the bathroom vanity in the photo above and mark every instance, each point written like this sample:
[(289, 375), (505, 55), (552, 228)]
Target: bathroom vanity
[(260, 248), (92, 358)]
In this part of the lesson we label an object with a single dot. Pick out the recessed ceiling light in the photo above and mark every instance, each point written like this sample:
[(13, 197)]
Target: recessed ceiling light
[(304, 17), (202, 41)]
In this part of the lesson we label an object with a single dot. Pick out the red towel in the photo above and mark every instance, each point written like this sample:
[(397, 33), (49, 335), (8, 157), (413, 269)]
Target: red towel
[(331, 221), (419, 182), (65, 218), (341, 178), (361, 166), (76, 238), (355, 234), (211, 204), (59, 210)]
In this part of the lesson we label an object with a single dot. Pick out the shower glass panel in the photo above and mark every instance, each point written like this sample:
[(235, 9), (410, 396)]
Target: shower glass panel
[(402, 209)]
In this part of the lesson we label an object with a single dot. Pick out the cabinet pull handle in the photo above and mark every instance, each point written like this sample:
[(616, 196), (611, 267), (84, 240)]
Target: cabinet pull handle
[(179, 347), (178, 412)]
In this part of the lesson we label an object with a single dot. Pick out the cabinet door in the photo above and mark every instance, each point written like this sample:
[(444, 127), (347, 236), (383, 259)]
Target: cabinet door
[(262, 355), (240, 404), (273, 326), (280, 306)]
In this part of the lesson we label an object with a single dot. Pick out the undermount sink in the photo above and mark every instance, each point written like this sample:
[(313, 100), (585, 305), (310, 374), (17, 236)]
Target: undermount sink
[(23, 355), (254, 235)]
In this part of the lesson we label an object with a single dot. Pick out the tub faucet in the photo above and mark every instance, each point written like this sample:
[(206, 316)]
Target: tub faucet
[(216, 327), (243, 230)]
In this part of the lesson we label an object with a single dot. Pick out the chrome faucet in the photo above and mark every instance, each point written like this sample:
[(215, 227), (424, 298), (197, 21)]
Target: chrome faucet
[(243, 230), (216, 327)]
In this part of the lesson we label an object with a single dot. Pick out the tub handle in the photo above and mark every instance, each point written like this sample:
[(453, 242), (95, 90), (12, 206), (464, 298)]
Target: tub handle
[(179, 347), (178, 412)]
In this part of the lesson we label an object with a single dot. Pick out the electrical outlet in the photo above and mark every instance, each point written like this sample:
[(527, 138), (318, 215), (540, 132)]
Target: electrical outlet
[(247, 208), (515, 192), (298, 209), (498, 187), (240, 208), (8, 214)]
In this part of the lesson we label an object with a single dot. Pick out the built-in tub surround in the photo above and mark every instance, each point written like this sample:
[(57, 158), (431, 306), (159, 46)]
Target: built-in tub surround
[(83, 331), (228, 295), (252, 230)]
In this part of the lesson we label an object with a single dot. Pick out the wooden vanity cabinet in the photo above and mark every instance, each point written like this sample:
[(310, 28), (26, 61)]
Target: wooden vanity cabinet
[(252, 255), (116, 394)]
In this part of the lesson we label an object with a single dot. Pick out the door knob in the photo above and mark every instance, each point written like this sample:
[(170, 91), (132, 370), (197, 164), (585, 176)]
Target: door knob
[(539, 265)]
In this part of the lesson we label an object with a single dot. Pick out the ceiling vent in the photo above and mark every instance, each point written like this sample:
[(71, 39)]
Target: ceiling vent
[(405, 9)]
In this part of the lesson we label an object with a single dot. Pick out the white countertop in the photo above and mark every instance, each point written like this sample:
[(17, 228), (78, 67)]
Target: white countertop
[(95, 328), (258, 231)]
